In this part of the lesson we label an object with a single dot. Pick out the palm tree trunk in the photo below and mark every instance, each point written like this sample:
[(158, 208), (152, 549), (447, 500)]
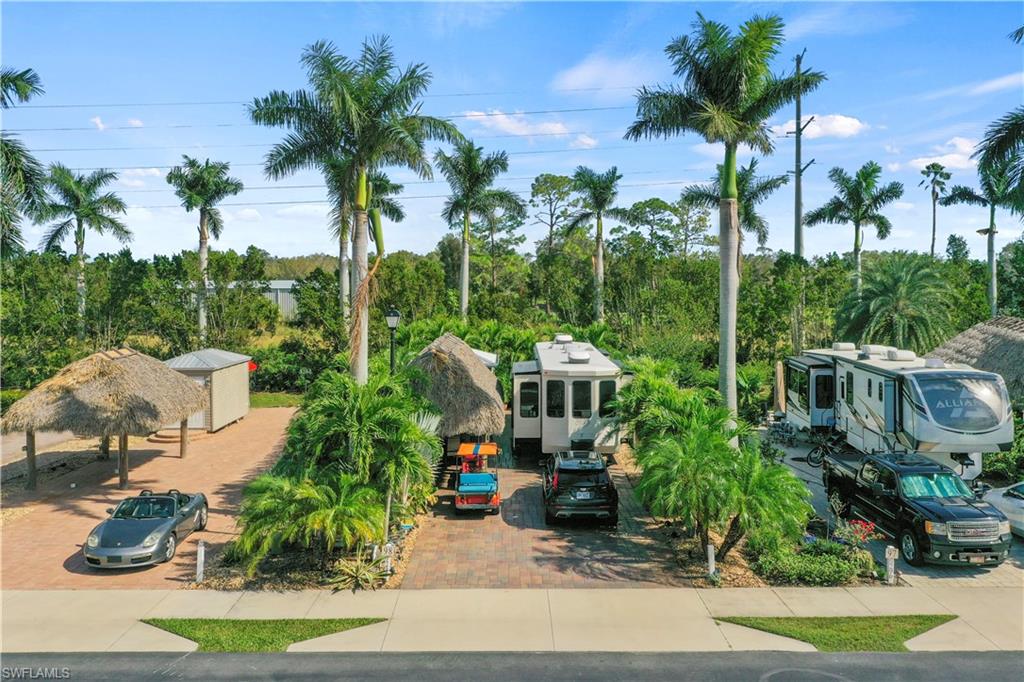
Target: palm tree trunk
[(360, 354), (993, 301), (856, 258), (343, 264), (80, 277), (728, 281), (494, 262), (547, 276), (204, 247), (935, 203), (387, 515), (599, 272), (732, 536), (464, 274)]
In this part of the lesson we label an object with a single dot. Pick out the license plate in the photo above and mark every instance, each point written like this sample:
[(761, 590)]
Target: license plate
[(113, 560), (976, 560), (584, 495)]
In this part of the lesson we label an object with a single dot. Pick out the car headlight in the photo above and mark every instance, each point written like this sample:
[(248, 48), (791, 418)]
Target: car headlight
[(93, 540), (151, 539), (1004, 527), (933, 528)]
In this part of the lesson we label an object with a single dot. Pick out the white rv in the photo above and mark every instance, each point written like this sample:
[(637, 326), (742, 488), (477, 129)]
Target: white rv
[(885, 399), (561, 398)]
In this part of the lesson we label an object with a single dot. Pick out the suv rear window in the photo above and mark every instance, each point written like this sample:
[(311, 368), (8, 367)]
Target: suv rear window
[(569, 477)]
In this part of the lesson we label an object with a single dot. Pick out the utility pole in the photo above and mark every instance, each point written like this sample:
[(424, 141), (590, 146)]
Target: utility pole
[(798, 208)]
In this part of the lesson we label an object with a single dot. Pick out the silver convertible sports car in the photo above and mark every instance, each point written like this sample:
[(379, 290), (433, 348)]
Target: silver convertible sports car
[(146, 529)]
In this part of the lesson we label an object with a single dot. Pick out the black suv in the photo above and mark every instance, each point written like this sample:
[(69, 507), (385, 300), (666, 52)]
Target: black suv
[(577, 485)]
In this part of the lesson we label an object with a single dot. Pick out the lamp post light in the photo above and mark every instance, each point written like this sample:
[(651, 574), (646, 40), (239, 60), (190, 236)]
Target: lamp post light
[(392, 317)]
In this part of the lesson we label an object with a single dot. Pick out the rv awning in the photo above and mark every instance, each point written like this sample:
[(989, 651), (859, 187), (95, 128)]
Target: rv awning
[(525, 367), (806, 361)]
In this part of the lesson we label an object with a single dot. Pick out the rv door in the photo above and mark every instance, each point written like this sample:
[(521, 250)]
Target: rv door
[(889, 386)]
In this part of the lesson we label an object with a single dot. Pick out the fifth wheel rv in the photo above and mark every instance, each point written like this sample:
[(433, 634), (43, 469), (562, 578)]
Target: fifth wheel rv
[(881, 399)]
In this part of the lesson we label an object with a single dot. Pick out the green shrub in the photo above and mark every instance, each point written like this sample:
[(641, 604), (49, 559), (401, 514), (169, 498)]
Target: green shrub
[(8, 396), (805, 568), (294, 365), (1006, 466), (825, 548)]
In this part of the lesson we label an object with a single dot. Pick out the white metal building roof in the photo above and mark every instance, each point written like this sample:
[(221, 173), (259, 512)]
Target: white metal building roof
[(881, 362), (555, 357), (207, 358)]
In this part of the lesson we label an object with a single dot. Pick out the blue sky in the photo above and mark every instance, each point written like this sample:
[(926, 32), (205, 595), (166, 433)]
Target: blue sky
[(908, 83)]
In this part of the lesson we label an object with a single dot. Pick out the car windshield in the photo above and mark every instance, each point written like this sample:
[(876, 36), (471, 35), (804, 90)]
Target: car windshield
[(145, 508), (934, 485), (964, 403)]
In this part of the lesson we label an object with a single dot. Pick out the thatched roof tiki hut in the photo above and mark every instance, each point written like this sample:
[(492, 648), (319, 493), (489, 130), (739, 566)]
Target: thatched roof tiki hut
[(995, 345), (110, 393), (462, 388)]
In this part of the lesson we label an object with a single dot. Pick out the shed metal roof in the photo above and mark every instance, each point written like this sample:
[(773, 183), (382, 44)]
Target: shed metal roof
[(207, 358)]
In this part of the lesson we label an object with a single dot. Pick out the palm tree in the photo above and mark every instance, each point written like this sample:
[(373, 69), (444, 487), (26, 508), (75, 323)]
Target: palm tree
[(905, 303), (728, 93), (22, 177), (77, 202), (859, 200), (1003, 144), (751, 190), (470, 175), (935, 177), (598, 191), (997, 191), (201, 186)]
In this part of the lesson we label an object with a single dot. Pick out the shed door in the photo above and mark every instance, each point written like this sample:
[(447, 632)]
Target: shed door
[(198, 420)]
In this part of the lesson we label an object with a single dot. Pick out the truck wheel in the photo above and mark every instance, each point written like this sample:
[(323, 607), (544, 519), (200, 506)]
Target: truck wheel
[(549, 519), (839, 506), (910, 549)]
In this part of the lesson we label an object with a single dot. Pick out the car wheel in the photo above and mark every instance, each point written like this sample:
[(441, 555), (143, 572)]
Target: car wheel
[(170, 548), (612, 521), (838, 505), (204, 516), (910, 549)]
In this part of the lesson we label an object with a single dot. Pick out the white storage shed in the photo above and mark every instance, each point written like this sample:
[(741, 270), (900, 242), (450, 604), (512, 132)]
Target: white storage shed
[(225, 375)]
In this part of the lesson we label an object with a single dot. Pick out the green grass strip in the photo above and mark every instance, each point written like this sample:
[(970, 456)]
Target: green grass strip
[(269, 399), (848, 633), (254, 636)]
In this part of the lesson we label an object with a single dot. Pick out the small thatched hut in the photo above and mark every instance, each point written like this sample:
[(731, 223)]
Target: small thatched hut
[(110, 393), (996, 345), (462, 388)]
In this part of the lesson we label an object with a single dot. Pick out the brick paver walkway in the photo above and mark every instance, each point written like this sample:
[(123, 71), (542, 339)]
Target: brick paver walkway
[(42, 535), (516, 549)]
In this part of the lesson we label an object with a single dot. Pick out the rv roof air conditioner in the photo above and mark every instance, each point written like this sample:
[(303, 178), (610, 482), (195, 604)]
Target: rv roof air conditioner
[(563, 339), (873, 349), (934, 363), (893, 354), (844, 346), (579, 357)]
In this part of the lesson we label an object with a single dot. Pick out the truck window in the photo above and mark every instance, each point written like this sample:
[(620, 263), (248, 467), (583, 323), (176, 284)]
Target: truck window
[(556, 399), (581, 399), (824, 391), (849, 389), (869, 472), (529, 399), (942, 485), (887, 479), (605, 395)]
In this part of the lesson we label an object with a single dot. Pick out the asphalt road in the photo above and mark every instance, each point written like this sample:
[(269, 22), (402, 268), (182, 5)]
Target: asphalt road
[(595, 667)]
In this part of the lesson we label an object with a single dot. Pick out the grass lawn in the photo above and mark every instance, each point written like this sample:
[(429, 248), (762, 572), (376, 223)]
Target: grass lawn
[(261, 399), (850, 633), (254, 636)]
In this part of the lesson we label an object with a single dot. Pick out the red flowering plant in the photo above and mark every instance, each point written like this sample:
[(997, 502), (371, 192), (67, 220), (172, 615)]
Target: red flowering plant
[(855, 533)]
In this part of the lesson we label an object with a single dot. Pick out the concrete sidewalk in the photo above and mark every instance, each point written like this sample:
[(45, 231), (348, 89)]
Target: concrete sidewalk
[(672, 619)]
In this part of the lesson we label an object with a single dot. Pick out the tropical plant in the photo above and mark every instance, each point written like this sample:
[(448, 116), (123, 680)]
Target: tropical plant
[(998, 190), (728, 93), (935, 178), (470, 175), (22, 177), (360, 573), (315, 513), (904, 303), (751, 190), (77, 202), (1002, 148), (201, 186), (859, 201), (598, 192)]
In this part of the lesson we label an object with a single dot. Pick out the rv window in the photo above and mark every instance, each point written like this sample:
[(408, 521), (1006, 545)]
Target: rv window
[(556, 399), (605, 395), (869, 388), (964, 403), (529, 399), (824, 392), (849, 389), (581, 399), (798, 386)]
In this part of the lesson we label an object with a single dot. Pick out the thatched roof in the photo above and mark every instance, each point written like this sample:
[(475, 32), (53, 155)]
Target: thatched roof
[(996, 345), (461, 387), (106, 394)]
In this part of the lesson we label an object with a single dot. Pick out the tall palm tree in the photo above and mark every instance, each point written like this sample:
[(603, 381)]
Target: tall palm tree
[(751, 190), (370, 110), (997, 191), (201, 186), (935, 178), (470, 175), (905, 303), (598, 191), (727, 95), (858, 201), (1003, 144), (22, 177), (77, 202)]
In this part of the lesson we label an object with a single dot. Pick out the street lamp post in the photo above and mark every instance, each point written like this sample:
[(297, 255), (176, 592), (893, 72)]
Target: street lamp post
[(392, 317)]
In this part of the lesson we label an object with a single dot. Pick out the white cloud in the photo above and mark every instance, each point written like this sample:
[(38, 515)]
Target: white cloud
[(954, 154), (247, 215), (132, 182), (450, 17), (98, 122), (892, 149), (610, 78), (583, 142), (135, 123), (515, 123), (846, 19), (827, 125), (136, 214), (304, 211), (903, 206), (143, 173), (893, 167), (1009, 82)]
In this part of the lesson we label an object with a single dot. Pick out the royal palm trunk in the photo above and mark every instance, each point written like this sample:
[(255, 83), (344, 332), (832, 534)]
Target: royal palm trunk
[(204, 248), (935, 203), (728, 280), (464, 274), (80, 277), (857, 237), (343, 264), (360, 354), (599, 271), (993, 301)]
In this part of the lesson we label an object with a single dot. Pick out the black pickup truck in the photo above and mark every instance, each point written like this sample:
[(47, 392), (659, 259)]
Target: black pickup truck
[(932, 512)]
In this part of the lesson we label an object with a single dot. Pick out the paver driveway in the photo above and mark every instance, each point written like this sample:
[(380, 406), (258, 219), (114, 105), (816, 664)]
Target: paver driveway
[(42, 534), (516, 549)]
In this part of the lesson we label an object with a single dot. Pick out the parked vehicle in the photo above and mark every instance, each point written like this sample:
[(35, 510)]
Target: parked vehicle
[(927, 507), (577, 485), (146, 529), (1010, 501), (477, 491)]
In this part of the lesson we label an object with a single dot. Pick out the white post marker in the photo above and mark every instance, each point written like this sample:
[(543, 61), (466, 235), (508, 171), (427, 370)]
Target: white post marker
[(890, 564), (711, 559), (200, 561)]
